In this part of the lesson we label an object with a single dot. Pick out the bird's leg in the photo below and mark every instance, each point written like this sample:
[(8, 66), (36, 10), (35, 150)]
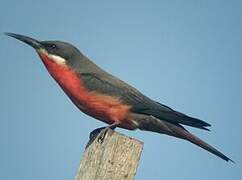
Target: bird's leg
[(93, 135), (101, 132), (95, 132)]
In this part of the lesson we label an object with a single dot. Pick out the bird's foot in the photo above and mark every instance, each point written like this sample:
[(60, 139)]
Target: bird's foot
[(93, 135), (100, 133)]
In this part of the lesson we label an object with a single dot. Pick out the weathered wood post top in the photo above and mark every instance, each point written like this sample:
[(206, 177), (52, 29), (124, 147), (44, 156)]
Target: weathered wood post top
[(116, 158)]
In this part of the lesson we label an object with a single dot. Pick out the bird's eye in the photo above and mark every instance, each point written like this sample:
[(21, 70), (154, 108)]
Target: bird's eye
[(52, 46)]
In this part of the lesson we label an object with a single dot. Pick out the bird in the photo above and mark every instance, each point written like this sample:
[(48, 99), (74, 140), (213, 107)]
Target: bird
[(105, 97)]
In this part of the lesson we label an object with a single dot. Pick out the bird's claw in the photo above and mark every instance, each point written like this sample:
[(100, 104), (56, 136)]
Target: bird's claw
[(96, 133), (101, 135)]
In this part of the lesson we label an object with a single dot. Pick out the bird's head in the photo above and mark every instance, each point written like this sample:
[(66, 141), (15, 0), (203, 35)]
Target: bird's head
[(56, 51)]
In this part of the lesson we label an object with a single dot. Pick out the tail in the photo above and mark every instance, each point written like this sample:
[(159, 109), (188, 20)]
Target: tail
[(169, 115), (184, 134), (150, 123)]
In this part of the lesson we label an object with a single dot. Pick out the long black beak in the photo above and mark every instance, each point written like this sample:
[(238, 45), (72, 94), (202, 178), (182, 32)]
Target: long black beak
[(30, 41)]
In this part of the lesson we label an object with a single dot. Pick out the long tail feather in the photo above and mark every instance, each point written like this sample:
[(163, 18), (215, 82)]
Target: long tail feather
[(195, 140)]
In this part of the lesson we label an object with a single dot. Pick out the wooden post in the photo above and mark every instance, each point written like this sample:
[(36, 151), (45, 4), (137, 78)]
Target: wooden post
[(116, 158)]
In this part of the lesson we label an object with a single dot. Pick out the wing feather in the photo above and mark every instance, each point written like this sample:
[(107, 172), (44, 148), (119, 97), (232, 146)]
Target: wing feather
[(110, 85)]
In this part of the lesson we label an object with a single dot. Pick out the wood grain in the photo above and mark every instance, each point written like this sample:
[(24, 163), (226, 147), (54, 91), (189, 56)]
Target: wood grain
[(116, 158)]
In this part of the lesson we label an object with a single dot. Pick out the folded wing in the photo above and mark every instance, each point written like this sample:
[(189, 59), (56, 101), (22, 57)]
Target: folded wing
[(110, 85)]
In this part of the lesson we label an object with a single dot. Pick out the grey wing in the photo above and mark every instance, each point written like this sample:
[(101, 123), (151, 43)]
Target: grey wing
[(110, 85)]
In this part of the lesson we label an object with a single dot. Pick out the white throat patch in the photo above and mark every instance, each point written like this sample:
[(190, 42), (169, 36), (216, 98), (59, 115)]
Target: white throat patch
[(57, 59)]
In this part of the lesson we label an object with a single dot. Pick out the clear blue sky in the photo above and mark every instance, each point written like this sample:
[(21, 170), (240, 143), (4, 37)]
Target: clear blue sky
[(186, 54)]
